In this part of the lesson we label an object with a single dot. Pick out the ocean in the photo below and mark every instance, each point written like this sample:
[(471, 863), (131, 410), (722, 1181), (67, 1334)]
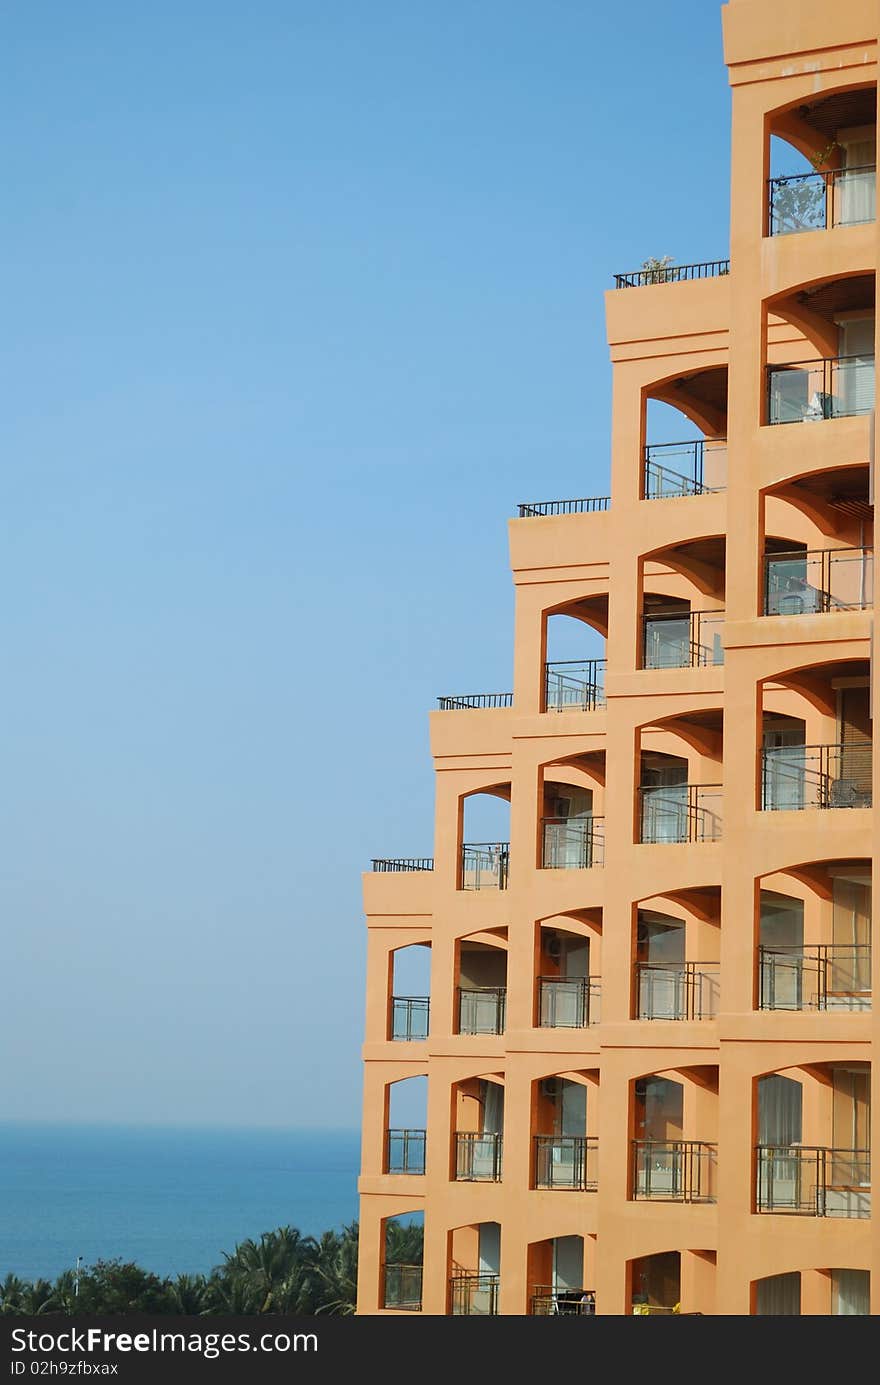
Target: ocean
[(171, 1199)]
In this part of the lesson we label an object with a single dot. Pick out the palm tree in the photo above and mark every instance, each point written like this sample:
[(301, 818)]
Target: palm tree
[(336, 1269), (189, 1294), (273, 1267)]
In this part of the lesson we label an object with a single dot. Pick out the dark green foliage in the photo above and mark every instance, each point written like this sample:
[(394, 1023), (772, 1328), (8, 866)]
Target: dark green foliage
[(282, 1272)]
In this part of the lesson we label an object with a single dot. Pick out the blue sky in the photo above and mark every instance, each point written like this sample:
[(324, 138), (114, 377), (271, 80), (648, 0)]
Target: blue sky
[(300, 299)]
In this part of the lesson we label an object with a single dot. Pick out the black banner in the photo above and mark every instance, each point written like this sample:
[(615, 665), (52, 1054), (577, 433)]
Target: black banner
[(192, 1350)]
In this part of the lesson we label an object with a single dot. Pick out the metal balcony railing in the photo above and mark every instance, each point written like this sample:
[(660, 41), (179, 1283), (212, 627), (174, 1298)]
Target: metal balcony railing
[(548, 1302), (817, 580), (675, 1170), (811, 1181), (682, 639), (680, 813), (472, 700), (817, 201), (485, 865), (568, 1002), (824, 976), (405, 1151), (672, 274), (474, 1295), (409, 1017), (816, 776), (566, 1161), (573, 843), (588, 505), (405, 863), (403, 1287), (478, 1157), (574, 685), (675, 469), (809, 391), (677, 990), (481, 1009)]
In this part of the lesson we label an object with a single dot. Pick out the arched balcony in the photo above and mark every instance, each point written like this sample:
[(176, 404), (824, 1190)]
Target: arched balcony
[(674, 1143), (474, 1270), (565, 1146), (692, 415), (832, 375), (478, 1126), (572, 827), (484, 857), (574, 656), (823, 156), (568, 964), (481, 983), (828, 1292), (814, 938), (406, 1125), (819, 754), (676, 973), (812, 1152), (680, 796), (410, 998), (558, 1269), (403, 1240)]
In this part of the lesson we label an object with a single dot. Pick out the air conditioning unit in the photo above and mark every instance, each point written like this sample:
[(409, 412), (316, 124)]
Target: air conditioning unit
[(550, 1087), (553, 945)]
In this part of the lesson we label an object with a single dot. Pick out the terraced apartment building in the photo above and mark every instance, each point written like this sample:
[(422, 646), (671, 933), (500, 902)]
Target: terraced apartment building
[(648, 1031)]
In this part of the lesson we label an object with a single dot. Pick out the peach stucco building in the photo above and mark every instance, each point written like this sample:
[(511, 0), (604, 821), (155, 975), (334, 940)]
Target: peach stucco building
[(647, 1035)]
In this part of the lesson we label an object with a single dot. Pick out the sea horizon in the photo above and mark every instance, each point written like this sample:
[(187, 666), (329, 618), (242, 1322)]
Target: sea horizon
[(174, 1198)]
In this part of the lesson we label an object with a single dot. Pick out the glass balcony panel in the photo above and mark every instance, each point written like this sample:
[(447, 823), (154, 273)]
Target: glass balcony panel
[(568, 1003), (809, 391), (474, 1295), (573, 843), (409, 1018), (481, 1009), (403, 1287)]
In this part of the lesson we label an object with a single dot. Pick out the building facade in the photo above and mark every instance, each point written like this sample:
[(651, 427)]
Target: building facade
[(647, 1036)]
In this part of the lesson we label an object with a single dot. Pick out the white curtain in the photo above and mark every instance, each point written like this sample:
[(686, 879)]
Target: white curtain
[(857, 183), (779, 1296), (851, 1293), (493, 1109)]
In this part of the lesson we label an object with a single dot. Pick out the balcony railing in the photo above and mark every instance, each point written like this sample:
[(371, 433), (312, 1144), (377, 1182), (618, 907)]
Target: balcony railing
[(474, 1295), (809, 391), (671, 274), (817, 201), (810, 1181), (405, 1151), (574, 685), (409, 1017), (481, 1009), (566, 1161), (395, 863), (568, 1002), (403, 1287), (816, 776), (675, 1170), (573, 843), (682, 639), (485, 865), (478, 1157), (677, 990), (675, 469), (589, 505), (680, 813), (818, 580), (548, 1302), (825, 976), (472, 700)]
